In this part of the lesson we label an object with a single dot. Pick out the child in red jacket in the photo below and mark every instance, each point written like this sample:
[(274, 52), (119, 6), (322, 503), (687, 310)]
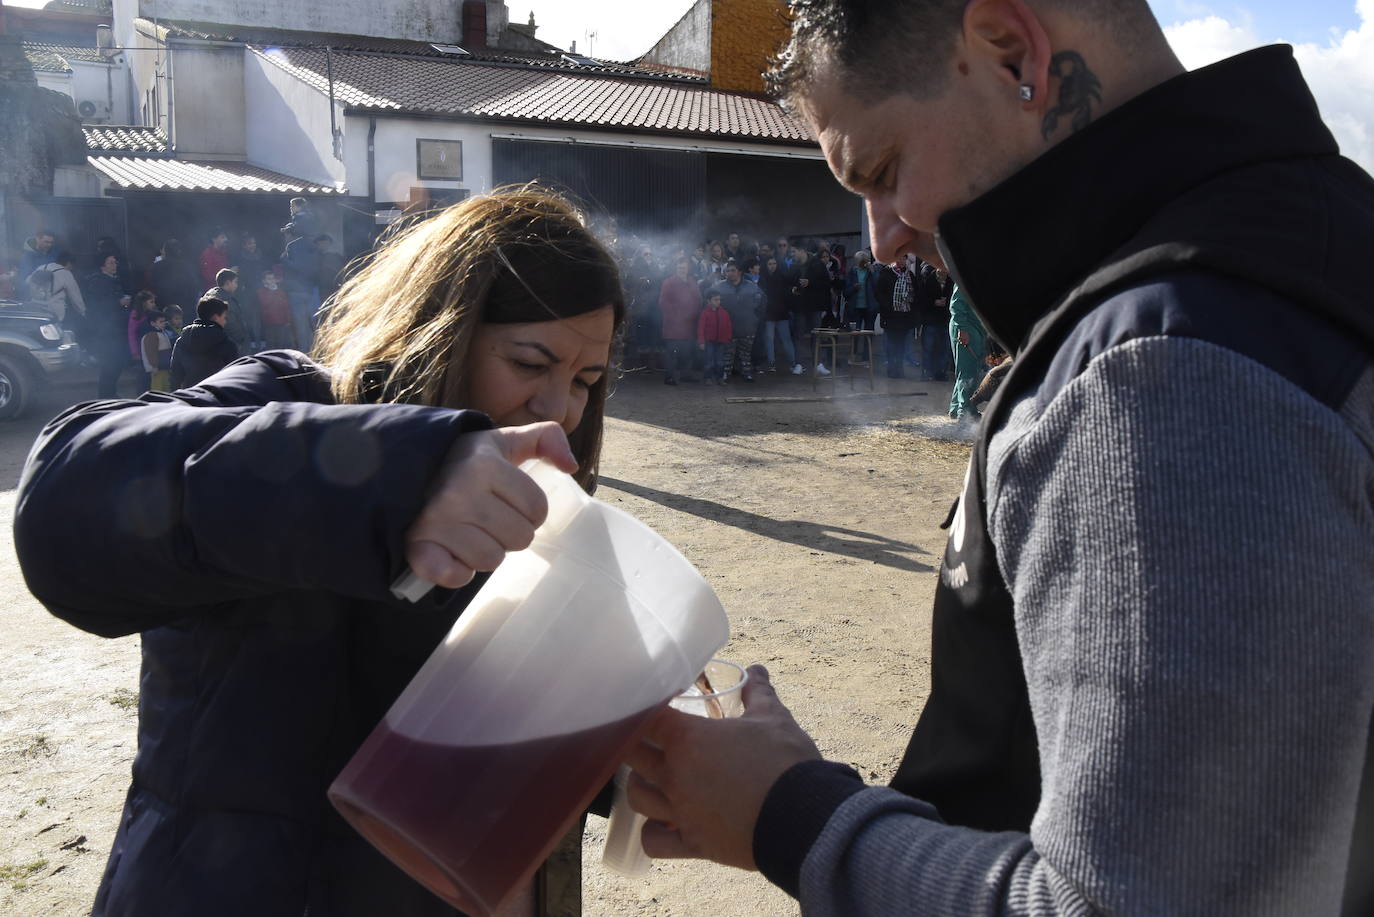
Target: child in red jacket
[(276, 313), (714, 333)]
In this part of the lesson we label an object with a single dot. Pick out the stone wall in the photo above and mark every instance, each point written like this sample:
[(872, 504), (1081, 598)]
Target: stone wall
[(687, 46), (420, 20), (745, 34), (39, 130)]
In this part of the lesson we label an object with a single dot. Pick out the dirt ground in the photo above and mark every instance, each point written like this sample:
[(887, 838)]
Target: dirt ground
[(817, 522)]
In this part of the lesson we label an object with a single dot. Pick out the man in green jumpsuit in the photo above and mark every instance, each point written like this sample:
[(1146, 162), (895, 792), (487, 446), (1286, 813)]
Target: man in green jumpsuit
[(969, 342)]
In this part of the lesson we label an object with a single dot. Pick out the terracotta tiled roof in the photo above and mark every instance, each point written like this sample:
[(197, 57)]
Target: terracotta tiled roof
[(64, 52), (122, 138), (45, 60), (92, 7), (475, 90), (552, 59), (150, 173)]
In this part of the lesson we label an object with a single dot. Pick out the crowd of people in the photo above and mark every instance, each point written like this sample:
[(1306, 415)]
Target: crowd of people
[(735, 309), (182, 317), (716, 311)]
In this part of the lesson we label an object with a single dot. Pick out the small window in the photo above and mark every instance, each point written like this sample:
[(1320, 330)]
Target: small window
[(451, 49)]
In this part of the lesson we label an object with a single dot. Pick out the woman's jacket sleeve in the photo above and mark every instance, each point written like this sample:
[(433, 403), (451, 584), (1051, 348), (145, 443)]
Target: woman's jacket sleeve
[(131, 514)]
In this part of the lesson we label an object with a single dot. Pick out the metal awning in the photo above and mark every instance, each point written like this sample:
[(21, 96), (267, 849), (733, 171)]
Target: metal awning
[(150, 173)]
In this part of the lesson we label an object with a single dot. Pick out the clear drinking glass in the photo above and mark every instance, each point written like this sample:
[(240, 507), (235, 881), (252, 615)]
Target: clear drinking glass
[(717, 694)]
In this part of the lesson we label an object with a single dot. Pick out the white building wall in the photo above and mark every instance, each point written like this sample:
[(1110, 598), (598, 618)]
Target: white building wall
[(122, 22), (57, 82), (288, 124), (208, 103), (395, 150), (104, 85), (144, 63), (422, 20)]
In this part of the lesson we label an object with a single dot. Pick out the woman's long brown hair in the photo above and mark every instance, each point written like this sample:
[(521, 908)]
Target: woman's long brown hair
[(519, 254)]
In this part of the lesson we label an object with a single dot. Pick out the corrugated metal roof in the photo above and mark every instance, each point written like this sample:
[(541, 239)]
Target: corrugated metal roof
[(124, 138), (462, 89), (150, 173)]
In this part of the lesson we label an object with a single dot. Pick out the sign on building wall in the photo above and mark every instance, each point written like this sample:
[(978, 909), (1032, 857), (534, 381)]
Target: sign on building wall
[(439, 160)]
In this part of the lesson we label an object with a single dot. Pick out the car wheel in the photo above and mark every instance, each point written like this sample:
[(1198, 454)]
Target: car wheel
[(16, 389)]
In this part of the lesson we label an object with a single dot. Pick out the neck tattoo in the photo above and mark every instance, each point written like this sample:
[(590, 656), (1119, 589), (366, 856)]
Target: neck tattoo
[(1079, 88)]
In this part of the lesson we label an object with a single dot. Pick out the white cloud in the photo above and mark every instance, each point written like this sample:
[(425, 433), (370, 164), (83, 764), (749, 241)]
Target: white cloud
[(1199, 42), (1340, 73)]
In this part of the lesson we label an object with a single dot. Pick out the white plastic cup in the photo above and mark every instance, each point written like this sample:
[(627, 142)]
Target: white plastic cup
[(624, 851)]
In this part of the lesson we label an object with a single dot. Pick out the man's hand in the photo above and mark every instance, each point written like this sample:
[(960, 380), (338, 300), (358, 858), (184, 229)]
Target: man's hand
[(963, 338), (702, 782), (482, 504)]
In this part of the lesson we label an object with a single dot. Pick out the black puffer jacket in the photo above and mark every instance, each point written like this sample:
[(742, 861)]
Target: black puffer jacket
[(249, 529), (202, 350)]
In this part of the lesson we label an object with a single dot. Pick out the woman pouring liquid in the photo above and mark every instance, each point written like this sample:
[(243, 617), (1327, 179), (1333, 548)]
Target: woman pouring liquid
[(249, 528)]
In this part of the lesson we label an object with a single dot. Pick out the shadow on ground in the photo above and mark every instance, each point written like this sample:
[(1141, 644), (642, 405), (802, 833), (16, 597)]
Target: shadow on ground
[(845, 542), (777, 402)]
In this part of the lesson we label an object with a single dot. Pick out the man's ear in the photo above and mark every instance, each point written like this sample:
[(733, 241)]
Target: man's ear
[(1009, 36)]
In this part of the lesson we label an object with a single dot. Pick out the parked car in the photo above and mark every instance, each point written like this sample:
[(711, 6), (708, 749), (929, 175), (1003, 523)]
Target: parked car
[(34, 351)]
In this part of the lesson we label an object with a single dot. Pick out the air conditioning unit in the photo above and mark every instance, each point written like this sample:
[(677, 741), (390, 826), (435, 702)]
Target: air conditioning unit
[(93, 111)]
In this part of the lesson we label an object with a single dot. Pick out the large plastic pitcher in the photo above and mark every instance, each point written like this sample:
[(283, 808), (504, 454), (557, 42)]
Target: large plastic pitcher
[(519, 718)]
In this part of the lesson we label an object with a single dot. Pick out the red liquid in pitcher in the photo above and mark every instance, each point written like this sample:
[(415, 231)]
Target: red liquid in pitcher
[(472, 823)]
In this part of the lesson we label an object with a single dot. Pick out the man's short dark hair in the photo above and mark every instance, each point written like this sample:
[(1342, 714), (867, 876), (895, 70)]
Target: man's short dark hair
[(226, 275), (732, 263), (749, 264), (209, 307), (299, 201), (45, 232), (217, 232), (885, 47), (63, 258)]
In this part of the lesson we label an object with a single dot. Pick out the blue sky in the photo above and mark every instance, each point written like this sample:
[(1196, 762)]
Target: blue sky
[(627, 28), (1275, 20)]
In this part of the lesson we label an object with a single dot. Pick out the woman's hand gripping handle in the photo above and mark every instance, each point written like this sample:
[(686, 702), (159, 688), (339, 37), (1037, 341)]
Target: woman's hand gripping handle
[(482, 506)]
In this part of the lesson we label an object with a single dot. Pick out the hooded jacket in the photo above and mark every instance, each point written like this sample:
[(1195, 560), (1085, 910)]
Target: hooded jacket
[(744, 303), (1152, 683), (32, 259), (63, 296), (202, 350)]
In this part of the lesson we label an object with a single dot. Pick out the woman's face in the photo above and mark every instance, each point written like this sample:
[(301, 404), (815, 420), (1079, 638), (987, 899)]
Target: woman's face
[(530, 372)]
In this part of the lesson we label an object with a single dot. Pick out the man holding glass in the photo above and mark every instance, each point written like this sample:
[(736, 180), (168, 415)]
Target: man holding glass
[(1153, 642)]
